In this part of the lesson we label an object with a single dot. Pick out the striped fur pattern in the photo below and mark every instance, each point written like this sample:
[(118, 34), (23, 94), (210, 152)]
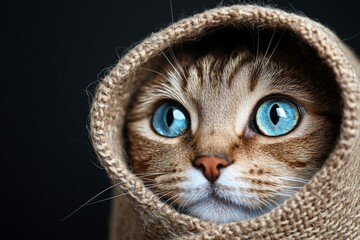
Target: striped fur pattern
[(221, 90)]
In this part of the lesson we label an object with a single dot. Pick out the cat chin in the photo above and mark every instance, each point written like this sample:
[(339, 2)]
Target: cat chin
[(215, 210)]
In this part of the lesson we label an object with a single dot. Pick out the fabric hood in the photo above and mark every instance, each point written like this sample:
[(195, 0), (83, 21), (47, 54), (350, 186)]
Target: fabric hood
[(327, 207)]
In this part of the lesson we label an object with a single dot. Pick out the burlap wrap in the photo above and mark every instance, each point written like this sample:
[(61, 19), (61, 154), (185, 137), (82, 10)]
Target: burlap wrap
[(326, 208)]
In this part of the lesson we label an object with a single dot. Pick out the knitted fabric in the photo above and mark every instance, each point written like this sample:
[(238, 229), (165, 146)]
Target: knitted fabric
[(328, 207)]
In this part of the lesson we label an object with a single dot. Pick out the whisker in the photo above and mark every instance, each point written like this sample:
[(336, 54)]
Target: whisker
[(163, 195), (163, 190), (177, 63), (351, 37), (156, 185), (270, 203), (96, 165), (88, 201), (106, 199), (276, 46), (120, 195), (145, 179), (171, 11), (160, 193), (284, 194), (289, 187), (262, 188), (251, 205), (171, 64), (150, 174), (154, 71), (179, 206), (169, 199), (253, 42), (151, 186), (258, 43), (268, 47), (259, 205), (292, 179)]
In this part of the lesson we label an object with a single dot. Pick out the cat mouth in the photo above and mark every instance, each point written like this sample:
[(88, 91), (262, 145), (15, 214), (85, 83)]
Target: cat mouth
[(221, 201), (216, 199), (217, 208)]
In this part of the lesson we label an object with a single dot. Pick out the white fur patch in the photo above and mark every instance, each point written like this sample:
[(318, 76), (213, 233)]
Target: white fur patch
[(225, 201)]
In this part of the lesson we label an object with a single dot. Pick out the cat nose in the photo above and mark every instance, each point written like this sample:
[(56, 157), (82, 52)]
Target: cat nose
[(210, 166)]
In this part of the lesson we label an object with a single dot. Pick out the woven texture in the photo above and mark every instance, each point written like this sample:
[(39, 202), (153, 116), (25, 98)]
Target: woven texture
[(328, 207)]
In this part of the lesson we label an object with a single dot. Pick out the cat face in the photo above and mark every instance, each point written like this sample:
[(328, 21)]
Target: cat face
[(226, 137)]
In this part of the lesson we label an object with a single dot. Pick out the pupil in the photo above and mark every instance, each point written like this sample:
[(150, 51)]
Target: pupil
[(273, 114), (170, 117)]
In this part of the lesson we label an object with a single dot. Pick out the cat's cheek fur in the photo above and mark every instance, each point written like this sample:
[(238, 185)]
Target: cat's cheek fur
[(195, 188)]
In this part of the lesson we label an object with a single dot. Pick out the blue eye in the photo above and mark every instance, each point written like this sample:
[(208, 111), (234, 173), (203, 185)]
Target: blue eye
[(276, 117), (170, 120)]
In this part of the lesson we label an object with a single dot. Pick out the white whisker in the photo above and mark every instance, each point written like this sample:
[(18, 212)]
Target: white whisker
[(177, 63), (88, 201), (106, 199), (172, 65), (289, 187), (292, 179), (276, 46), (171, 11), (163, 195), (150, 174), (258, 43), (154, 71), (268, 47)]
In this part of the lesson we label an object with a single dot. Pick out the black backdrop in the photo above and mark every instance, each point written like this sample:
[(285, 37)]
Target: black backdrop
[(54, 52)]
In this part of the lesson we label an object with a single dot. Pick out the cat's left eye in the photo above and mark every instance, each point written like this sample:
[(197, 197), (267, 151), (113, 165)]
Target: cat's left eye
[(276, 117), (170, 120)]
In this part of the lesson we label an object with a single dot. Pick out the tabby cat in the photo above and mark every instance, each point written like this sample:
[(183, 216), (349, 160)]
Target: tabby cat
[(226, 133)]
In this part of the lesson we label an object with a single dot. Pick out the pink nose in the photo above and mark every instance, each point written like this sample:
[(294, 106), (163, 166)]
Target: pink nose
[(210, 165)]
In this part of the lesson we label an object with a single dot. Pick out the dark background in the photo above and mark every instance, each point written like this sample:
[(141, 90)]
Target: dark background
[(54, 53)]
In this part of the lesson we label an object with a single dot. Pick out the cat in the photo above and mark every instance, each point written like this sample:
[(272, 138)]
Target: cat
[(226, 132)]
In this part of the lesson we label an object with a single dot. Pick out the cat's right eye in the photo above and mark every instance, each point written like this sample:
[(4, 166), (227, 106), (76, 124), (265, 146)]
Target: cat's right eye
[(170, 120), (276, 117)]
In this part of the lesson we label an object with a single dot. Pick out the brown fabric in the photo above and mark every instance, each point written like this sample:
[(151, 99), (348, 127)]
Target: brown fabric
[(328, 207)]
